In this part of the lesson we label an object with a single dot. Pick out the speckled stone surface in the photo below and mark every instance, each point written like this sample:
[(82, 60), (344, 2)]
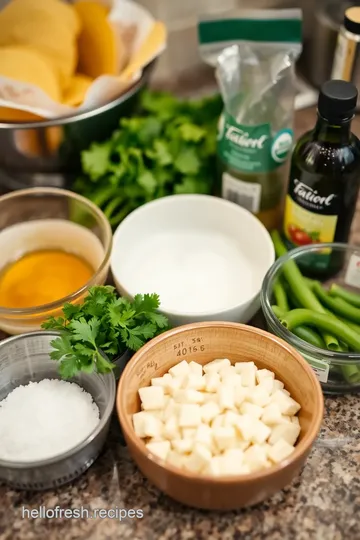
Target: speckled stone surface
[(323, 503)]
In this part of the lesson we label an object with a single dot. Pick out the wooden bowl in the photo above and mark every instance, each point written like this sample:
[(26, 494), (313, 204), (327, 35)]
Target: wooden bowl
[(203, 342)]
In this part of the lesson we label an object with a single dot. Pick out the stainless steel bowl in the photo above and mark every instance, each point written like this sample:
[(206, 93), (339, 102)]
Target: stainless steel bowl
[(47, 153), (26, 358)]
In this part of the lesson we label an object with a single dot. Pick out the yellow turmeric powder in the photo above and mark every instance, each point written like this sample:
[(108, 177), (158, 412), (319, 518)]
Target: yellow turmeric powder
[(42, 277)]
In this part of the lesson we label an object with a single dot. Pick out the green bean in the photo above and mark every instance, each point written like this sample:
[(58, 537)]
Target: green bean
[(352, 325), (302, 332), (337, 305), (350, 297), (351, 373), (306, 317), (303, 294), (280, 295)]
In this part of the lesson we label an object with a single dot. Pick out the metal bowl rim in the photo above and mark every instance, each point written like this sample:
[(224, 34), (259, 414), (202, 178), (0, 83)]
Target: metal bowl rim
[(86, 442)]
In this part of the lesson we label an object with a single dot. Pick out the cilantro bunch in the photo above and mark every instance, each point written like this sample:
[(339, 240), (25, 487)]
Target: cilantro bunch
[(169, 148), (96, 332)]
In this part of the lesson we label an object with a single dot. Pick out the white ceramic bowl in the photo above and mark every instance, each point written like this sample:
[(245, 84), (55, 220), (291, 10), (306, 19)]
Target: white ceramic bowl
[(206, 257)]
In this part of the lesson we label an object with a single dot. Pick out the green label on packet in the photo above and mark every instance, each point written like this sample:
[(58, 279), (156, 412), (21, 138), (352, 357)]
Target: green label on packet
[(252, 149)]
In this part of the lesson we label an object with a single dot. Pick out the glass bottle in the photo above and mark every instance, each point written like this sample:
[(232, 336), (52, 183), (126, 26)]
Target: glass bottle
[(324, 179)]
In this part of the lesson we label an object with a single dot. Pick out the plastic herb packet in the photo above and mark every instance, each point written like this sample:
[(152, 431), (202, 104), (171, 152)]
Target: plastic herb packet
[(254, 54)]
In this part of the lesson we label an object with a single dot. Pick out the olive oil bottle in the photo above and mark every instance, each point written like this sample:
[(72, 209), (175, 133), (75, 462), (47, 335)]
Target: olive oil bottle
[(324, 179)]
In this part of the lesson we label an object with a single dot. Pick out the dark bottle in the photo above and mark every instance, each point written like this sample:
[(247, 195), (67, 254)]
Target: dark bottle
[(324, 179)]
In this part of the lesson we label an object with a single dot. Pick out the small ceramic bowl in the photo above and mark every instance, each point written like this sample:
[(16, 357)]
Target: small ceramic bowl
[(202, 343), (206, 258)]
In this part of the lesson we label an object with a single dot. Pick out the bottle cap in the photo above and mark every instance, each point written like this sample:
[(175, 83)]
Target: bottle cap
[(352, 20), (337, 100)]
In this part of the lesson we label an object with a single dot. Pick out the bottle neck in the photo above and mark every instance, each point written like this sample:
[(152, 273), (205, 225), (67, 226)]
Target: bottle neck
[(337, 133)]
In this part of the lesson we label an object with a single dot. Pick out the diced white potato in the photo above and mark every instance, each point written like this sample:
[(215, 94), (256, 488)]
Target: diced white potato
[(181, 369), (227, 371), (258, 396), (231, 418), (152, 397), (278, 385), (147, 425), (261, 432), (285, 419), (248, 375), (158, 414), (226, 397), (171, 428), (289, 432), (232, 380), (165, 381), (295, 420), (188, 433), (209, 411), (243, 445), (244, 366), (176, 383), (224, 437), (244, 426), (214, 467), (272, 415), (218, 421), (255, 457), (199, 459), (286, 404), (267, 384), (286, 392), (196, 368), (280, 451), (210, 397), (240, 395), (232, 461), (263, 374), (188, 396), (252, 410), (195, 382), (216, 365), (212, 382), (159, 449), (172, 408), (189, 415), (175, 459), (182, 446), (204, 435)]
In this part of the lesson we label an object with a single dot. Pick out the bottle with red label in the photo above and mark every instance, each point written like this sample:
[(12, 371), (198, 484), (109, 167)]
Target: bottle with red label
[(324, 179)]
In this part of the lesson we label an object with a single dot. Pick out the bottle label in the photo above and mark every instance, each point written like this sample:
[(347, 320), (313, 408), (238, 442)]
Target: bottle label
[(245, 194), (310, 218), (252, 149)]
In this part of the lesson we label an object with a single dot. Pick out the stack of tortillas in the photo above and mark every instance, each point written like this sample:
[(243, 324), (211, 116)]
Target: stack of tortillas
[(60, 48)]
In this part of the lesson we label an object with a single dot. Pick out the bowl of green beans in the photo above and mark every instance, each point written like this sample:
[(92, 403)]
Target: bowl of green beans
[(311, 298)]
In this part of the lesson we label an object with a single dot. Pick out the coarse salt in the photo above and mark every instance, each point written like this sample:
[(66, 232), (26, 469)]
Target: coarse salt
[(43, 419)]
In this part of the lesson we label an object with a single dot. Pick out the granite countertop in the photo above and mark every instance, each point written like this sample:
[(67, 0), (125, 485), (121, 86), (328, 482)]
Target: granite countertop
[(321, 504)]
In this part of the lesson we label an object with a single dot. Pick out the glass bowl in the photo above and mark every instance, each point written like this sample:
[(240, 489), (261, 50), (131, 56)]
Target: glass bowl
[(73, 224), (338, 372)]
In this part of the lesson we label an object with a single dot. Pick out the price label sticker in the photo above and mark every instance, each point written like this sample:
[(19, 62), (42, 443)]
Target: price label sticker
[(352, 276), (321, 370)]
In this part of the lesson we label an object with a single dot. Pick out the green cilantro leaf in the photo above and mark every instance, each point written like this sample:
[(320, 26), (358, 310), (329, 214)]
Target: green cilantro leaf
[(95, 161), (188, 162), (85, 331)]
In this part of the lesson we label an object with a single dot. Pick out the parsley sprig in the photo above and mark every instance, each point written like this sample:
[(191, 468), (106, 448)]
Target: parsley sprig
[(100, 329)]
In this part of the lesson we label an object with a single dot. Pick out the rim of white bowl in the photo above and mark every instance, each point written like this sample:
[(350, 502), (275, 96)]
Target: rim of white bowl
[(189, 197)]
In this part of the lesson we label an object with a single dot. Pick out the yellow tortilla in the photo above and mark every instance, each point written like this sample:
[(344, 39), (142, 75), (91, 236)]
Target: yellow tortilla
[(46, 27), (97, 42), (77, 89), (29, 66)]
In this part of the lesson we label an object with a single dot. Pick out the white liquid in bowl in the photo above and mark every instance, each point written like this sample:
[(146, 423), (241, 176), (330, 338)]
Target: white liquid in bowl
[(194, 271)]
